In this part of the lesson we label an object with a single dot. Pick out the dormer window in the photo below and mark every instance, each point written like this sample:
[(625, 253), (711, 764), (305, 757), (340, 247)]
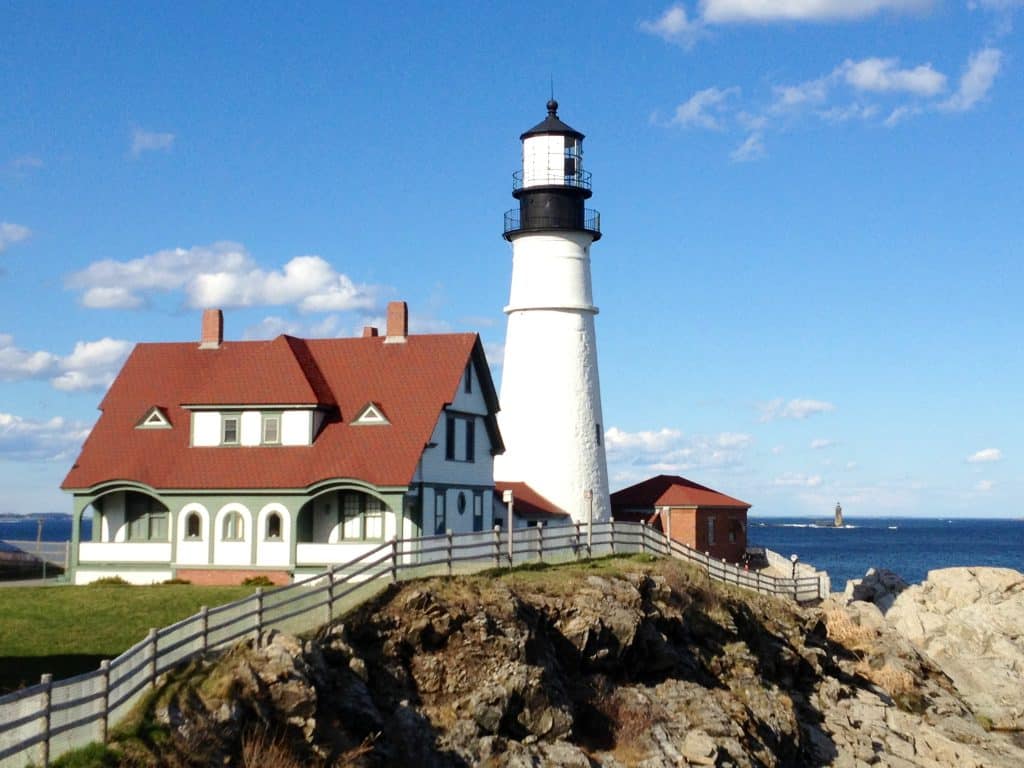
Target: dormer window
[(271, 429), (155, 418), (229, 430), (371, 414)]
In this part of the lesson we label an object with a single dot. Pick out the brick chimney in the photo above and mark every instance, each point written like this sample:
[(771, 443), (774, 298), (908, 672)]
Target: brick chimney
[(370, 332), (398, 322), (213, 329)]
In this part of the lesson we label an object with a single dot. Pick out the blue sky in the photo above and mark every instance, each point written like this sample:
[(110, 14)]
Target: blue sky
[(810, 275)]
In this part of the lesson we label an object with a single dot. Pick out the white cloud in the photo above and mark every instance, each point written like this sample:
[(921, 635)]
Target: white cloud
[(900, 114), (11, 234), (884, 75), (91, 365), (789, 97), (148, 141), (839, 114), (703, 108), (739, 11), (751, 149), (673, 26), (984, 486), (778, 450), (822, 442), (976, 81), (495, 351), (220, 275), (851, 465), (27, 440), (660, 440), (995, 5), (797, 480), (985, 455), (797, 409), (733, 440), (17, 364), (633, 456)]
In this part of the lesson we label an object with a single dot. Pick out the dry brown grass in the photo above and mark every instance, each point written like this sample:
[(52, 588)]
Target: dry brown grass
[(897, 682), (843, 630), (261, 749)]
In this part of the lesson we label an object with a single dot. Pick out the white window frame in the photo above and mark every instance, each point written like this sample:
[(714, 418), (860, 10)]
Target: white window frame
[(237, 420), (265, 420)]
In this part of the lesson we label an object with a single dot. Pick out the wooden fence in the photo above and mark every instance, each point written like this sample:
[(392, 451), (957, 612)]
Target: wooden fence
[(43, 721)]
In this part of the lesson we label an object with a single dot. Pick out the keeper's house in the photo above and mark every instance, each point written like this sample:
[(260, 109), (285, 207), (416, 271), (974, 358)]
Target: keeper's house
[(214, 461)]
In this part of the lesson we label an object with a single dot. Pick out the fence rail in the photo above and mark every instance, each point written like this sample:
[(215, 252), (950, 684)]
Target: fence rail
[(45, 720)]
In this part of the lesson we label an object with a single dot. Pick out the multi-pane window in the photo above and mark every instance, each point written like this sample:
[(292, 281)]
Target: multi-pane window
[(229, 430), (351, 516), (478, 512), (193, 526), (374, 518), (439, 519), (460, 438), (147, 521), (711, 530), (271, 428), (362, 517), (234, 527), (273, 526)]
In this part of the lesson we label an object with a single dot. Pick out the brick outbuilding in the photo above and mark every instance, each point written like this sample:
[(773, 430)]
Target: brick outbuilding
[(692, 514)]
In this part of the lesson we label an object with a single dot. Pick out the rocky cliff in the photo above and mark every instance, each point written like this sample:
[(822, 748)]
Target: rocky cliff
[(615, 663)]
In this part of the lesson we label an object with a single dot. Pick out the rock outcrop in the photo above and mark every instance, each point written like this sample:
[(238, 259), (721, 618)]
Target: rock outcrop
[(879, 586), (613, 664), (970, 622)]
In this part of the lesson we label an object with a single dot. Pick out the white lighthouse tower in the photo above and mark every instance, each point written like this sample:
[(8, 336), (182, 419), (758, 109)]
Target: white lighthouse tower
[(550, 416)]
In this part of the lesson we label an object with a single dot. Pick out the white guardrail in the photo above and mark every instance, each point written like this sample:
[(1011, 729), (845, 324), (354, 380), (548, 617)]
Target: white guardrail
[(46, 720)]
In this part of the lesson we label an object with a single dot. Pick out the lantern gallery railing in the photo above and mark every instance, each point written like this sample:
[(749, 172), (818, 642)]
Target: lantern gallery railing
[(43, 721), (580, 179), (590, 221)]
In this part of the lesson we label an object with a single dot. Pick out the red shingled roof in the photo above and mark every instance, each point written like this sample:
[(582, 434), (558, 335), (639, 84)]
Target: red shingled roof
[(672, 491), (528, 503), (412, 382)]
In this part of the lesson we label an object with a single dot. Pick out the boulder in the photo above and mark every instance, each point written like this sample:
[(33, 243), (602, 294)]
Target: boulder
[(879, 586), (969, 621)]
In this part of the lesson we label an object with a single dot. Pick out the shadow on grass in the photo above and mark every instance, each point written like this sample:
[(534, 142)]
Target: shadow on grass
[(21, 671)]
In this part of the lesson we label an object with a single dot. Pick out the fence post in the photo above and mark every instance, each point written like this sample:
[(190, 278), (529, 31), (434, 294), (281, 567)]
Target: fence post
[(151, 641), (643, 536), (204, 627), (394, 558), (611, 528), (448, 537), (576, 548), (44, 745), (497, 546), (105, 690), (540, 541), (259, 615), (330, 594)]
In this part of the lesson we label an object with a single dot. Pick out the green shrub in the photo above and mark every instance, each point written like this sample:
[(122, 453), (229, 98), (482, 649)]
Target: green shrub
[(108, 581), (94, 755), (257, 581), (177, 581)]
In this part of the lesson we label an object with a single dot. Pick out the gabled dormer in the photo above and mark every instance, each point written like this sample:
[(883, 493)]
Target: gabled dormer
[(370, 414), (154, 418)]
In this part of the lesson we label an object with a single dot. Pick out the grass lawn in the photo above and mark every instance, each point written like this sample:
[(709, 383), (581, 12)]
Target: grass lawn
[(66, 630)]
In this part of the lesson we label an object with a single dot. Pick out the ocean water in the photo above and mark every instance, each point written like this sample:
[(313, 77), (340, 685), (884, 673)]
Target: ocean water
[(909, 546)]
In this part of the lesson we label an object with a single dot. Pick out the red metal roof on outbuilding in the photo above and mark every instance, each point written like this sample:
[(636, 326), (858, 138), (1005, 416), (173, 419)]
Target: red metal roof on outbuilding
[(412, 381), (672, 491)]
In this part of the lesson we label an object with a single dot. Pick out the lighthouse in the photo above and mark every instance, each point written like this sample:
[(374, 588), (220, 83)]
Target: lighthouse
[(550, 416)]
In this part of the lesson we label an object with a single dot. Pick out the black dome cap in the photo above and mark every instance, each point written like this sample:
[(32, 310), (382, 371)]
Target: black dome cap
[(551, 125)]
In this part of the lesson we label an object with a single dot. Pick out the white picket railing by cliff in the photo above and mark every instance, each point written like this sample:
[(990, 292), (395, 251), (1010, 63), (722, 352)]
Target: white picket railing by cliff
[(53, 717)]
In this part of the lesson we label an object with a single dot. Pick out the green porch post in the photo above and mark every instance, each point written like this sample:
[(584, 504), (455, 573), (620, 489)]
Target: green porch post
[(78, 505)]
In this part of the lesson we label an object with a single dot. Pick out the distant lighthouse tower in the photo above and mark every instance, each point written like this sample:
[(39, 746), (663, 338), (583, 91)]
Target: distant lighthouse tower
[(550, 416)]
